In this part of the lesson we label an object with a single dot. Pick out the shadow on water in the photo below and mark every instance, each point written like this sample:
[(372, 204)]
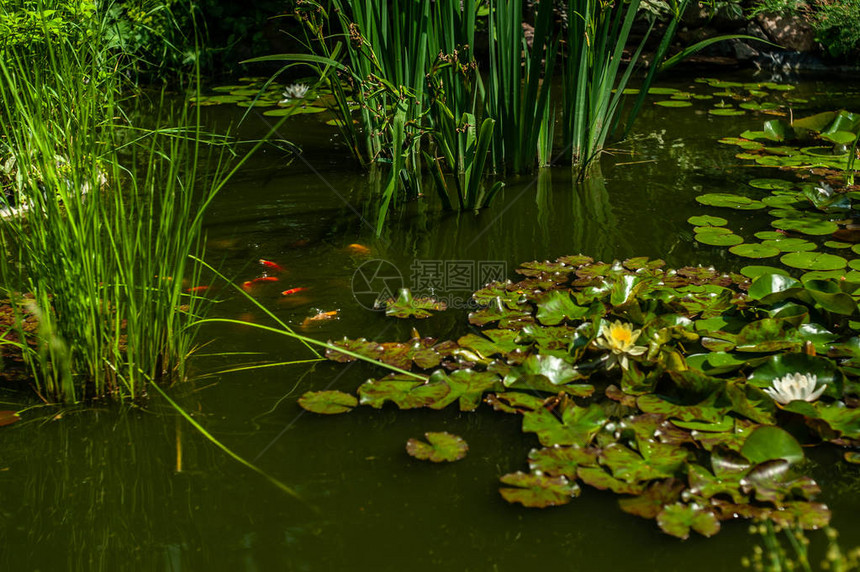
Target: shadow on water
[(100, 490)]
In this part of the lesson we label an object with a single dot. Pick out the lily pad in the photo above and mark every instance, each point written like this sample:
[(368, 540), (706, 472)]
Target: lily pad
[(328, 402), (715, 239), (728, 200), (678, 519), (712, 230), (811, 226), (577, 425), (561, 461), (407, 306), (754, 250), (813, 261), (726, 112), (707, 220), (770, 184), (673, 103), (442, 447), (662, 91), (790, 244), (770, 442), (754, 271), (769, 235), (293, 110), (538, 491)]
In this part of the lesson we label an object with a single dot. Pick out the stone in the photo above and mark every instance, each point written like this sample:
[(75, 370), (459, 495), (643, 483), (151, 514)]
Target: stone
[(743, 51), (789, 32), (696, 14)]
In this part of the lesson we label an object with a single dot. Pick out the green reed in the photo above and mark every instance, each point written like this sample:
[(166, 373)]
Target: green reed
[(102, 220), (518, 83)]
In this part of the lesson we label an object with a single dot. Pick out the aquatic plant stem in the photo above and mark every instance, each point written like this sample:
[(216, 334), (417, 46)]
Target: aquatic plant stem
[(229, 451)]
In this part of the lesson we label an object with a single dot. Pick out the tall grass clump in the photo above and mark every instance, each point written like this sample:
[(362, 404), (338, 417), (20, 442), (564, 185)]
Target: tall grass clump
[(100, 219), (519, 82), (407, 84)]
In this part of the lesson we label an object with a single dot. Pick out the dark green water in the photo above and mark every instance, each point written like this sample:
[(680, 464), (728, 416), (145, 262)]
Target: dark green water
[(103, 489)]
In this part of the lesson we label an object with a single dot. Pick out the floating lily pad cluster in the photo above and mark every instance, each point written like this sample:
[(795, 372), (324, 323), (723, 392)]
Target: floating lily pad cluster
[(260, 93), (803, 216), (644, 381), (822, 141), (729, 98), (807, 211)]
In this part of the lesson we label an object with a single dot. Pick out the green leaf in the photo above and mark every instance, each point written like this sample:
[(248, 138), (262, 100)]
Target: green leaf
[(754, 250), (561, 461), (766, 335), (407, 306), (406, 393), (442, 447), (707, 220), (753, 271), (557, 306), (654, 461), (577, 425), (704, 411), (466, 386), (813, 261), (714, 239), (538, 491), (730, 201), (768, 443), (327, 402), (768, 284), (811, 226), (650, 503), (679, 518)]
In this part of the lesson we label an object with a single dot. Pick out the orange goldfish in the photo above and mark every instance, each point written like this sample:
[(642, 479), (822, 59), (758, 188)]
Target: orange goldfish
[(248, 285), (292, 291), (358, 249), (272, 265)]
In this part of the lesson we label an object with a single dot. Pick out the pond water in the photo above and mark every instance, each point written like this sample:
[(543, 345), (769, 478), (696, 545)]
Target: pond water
[(105, 488)]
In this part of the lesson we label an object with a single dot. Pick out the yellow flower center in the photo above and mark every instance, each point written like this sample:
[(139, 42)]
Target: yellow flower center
[(621, 335)]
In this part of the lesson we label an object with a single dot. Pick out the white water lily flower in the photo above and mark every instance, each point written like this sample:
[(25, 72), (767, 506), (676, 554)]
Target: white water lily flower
[(295, 91), (619, 338), (795, 387)]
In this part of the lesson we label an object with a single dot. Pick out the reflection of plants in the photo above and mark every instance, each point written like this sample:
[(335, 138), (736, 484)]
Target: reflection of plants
[(685, 431)]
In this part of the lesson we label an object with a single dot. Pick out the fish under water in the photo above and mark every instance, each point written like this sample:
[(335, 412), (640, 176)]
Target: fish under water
[(319, 317), (274, 266), (359, 249), (248, 285)]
